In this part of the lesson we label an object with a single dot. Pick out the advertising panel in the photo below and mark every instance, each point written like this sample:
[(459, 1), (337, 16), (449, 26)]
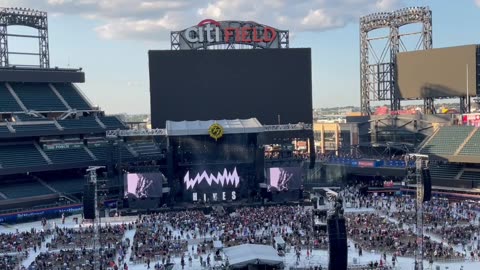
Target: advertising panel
[(472, 119)]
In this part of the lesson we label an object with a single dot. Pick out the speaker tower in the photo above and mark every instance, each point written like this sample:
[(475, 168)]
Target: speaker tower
[(89, 201), (427, 185), (337, 237)]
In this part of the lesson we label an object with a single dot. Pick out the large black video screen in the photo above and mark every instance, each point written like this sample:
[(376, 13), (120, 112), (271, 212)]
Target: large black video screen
[(143, 185), (284, 178), (273, 85)]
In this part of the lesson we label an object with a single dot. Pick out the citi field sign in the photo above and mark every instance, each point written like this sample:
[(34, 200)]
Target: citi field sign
[(211, 32)]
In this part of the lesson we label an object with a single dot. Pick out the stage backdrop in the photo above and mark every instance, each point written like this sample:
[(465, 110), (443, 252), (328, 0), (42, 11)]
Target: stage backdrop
[(273, 85)]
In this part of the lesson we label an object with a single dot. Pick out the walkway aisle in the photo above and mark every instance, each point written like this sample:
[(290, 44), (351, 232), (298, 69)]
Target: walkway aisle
[(32, 255), (129, 234)]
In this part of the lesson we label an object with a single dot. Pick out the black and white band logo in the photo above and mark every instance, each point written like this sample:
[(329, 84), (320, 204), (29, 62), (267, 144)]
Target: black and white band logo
[(222, 179)]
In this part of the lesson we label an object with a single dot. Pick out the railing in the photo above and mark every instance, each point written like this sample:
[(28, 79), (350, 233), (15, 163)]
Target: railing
[(163, 132), (135, 133), (366, 163), (299, 126)]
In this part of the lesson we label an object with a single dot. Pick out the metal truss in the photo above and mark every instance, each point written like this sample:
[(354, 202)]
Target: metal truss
[(179, 42), (175, 41), (163, 132), (29, 18), (429, 105), (465, 105), (377, 68), (135, 132), (284, 37), (287, 127)]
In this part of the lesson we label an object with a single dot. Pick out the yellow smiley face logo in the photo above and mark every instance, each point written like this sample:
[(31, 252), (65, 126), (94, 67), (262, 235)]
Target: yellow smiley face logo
[(215, 131)]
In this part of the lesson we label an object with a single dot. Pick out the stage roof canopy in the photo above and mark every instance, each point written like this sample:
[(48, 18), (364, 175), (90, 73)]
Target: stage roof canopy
[(243, 255), (236, 126)]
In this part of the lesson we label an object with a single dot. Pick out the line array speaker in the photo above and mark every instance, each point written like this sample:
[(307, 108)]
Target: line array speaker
[(338, 249), (427, 185), (89, 201)]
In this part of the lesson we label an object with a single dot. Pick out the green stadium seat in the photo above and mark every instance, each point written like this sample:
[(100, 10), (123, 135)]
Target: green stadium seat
[(472, 147), (4, 130), (112, 122), (146, 148), (449, 171), (68, 186), (7, 101), (65, 156), (447, 140), (34, 128), (38, 97), (22, 155), (22, 188), (72, 96), (80, 123), (470, 175), (29, 118), (100, 152)]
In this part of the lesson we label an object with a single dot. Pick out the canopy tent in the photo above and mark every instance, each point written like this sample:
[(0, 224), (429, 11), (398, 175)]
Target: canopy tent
[(243, 255), (237, 126)]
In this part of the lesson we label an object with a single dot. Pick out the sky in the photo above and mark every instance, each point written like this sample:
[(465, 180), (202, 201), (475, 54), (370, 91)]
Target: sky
[(110, 39)]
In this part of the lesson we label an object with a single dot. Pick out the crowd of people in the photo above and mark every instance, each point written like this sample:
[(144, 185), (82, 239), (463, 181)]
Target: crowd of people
[(22, 241), (194, 235), (154, 240), (372, 232), (83, 258), (11, 262), (66, 238), (437, 212), (163, 235), (457, 235)]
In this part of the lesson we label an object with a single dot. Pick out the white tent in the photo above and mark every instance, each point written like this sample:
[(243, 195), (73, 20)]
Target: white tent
[(185, 128), (243, 255)]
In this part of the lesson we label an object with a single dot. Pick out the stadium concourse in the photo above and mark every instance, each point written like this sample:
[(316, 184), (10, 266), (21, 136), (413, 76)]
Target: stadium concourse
[(145, 242)]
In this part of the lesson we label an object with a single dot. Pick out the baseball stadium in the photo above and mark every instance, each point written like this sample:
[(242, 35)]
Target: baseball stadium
[(234, 172)]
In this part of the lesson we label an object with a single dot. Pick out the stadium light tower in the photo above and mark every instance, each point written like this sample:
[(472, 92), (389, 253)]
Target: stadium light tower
[(421, 162), (92, 170), (378, 77)]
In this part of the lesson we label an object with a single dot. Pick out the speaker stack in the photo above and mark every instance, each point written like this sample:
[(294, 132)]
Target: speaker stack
[(427, 185), (89, 201), (337, 237)]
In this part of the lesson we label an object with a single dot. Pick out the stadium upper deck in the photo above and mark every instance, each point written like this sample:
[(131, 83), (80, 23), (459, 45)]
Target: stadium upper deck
[(50, 132)]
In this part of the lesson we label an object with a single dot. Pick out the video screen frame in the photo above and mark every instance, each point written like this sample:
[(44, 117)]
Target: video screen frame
[(284, 179), (143, 185)]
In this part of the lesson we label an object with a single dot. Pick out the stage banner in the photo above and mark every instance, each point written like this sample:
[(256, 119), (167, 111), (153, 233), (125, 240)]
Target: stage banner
[(212, 184)]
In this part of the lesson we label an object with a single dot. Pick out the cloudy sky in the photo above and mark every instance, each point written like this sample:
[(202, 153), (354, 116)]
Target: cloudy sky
[(110, 39)]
